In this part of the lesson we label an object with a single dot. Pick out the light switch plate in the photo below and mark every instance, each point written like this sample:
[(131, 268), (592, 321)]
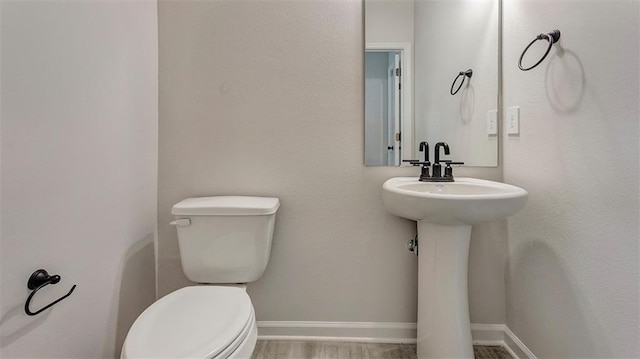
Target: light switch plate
[(513, 120), (492, 123)]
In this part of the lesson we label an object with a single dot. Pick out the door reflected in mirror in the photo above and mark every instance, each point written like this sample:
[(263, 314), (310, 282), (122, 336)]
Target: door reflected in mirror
[(414, 51)]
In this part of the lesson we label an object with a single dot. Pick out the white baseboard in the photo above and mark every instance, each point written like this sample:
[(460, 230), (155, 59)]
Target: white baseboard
[(379, 332), (519, 350), (369, 332)]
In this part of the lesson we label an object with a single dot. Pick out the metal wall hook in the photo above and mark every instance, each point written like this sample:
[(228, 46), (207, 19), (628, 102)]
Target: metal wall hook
[(464, 75), (552, 37), (38, 280)]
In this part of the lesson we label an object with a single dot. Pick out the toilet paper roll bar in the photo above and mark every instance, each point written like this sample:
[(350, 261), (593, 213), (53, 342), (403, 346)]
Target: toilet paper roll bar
[(38, 280)]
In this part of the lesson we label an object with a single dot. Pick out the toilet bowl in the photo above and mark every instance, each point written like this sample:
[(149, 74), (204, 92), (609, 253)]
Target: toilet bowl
[(212, 322), (223, 241)]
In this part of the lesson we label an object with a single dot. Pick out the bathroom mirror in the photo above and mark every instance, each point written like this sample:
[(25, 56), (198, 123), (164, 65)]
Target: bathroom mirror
[(414, 50)]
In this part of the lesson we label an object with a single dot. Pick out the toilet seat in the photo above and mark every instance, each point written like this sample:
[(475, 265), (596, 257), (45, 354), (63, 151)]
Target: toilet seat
[(193, 322)]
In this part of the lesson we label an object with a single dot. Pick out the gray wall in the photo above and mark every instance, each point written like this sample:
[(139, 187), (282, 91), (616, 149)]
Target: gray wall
[(573, 272), (266, 98), (79, 165)]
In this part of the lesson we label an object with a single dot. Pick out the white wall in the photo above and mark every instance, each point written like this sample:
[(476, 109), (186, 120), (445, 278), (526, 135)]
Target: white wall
[(389, 21), (453, 36), (78, 169), (79, 164), (573, 274), (282, 115)]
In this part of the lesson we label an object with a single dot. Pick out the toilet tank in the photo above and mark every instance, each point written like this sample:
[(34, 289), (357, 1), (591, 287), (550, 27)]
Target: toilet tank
[(225, 239)]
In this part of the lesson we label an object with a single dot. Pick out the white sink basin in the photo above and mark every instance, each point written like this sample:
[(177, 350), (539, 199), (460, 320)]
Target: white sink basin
[(466, 201), (445, 212)]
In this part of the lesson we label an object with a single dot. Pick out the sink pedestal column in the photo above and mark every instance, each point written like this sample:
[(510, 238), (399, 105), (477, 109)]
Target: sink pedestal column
[(444, 329)]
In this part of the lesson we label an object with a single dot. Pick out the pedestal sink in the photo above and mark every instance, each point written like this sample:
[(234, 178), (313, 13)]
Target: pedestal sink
[(445, 213)]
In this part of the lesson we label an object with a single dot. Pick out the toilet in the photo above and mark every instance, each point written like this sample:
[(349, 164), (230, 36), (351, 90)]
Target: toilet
[(225, 242)]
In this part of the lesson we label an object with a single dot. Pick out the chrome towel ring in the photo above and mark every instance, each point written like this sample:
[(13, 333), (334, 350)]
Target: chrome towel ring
[(464, 75), (552, 37)]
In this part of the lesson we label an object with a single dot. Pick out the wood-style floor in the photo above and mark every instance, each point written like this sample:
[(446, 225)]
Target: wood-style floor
[(273, 349)]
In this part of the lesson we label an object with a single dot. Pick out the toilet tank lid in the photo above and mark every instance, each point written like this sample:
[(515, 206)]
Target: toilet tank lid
[(226, 206)]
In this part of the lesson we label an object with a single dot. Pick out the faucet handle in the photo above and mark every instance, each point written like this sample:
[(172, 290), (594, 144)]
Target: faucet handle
[(448, 171), (424, 172), (417, 163)]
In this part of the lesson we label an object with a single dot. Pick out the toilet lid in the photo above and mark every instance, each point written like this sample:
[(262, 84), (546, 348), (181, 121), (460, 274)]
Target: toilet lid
[(192, 322)]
